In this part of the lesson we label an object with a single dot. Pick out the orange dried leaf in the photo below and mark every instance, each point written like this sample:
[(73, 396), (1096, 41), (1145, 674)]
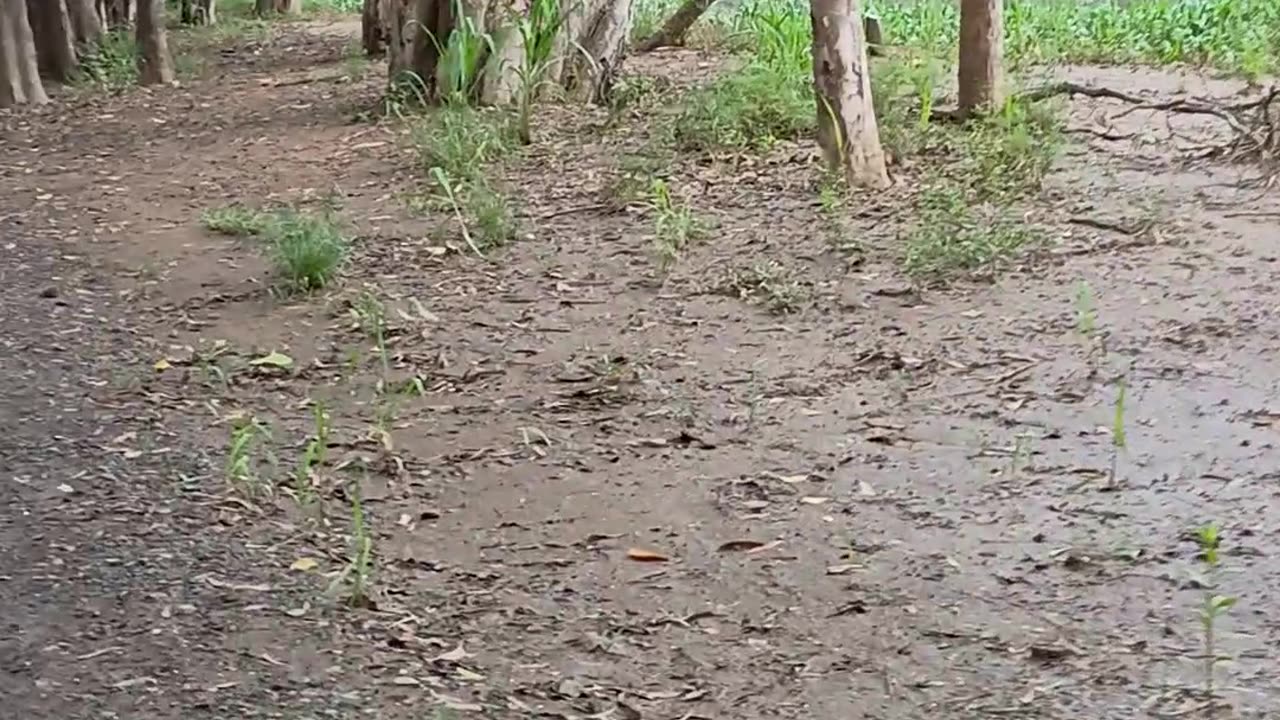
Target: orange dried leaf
[(640, 555)]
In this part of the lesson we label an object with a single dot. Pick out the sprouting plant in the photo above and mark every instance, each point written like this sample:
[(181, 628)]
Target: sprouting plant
[(371, 313), (451, 193), (235, 220), (1214, 606), (1086, 310), (313, 456), (357, 574), (240, 467), (1119, 440), (537, 32), (674, 224)]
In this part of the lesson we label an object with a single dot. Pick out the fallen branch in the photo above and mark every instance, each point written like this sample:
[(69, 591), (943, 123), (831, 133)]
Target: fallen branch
[(1255, 125)]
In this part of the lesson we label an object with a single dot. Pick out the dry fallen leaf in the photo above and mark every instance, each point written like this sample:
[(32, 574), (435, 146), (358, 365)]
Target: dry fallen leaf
[(640, 555), (842, 569), (303, 564), (740, 545), (813, 500)]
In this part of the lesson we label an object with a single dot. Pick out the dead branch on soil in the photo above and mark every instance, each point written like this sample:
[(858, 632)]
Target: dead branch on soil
[(1255, 124)]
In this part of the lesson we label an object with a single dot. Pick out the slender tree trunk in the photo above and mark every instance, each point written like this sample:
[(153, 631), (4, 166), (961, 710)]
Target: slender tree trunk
[(155, 64), (263, 8), (288, 7), (373, 35), (11, 92), (847, 128), (26, 67), (674, 29), (85, 21), (54, 38), (981, 48)]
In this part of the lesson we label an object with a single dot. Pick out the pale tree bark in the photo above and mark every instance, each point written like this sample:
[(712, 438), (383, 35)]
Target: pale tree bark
[(11, 92), (155, 64), (586, 56), (847, 130), (981, 51), (85, 21), (199, 12), (54, 38), (23, 69), (674, 29), (288, 7), (117, 13)]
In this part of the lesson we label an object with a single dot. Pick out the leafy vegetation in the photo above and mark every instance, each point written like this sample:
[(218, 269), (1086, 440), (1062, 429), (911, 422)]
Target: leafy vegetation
[(307, 249)]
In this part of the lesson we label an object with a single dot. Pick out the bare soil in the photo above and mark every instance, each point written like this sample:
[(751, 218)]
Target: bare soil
[(895, 503)]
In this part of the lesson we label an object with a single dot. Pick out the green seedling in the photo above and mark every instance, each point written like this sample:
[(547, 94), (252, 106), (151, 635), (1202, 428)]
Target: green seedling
[(356, 577), (674, 224), (1214, 605), (241, 472), (371, 314), (1119, 439), (1086, 310)]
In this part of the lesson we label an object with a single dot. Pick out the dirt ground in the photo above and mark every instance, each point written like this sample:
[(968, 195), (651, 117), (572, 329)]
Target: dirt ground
[(895, 503)]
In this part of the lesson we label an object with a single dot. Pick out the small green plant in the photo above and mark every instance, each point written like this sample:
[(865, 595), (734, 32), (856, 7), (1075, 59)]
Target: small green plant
[(236, 220), (752, 108), (771, 285), (371, 314), (1119, 439), (1008, 153), (953, 236), (462, 55), (112, 64), (406, 92), (358, 574), (1086, 310), (1214, 605), (461, 140), (307, 250), (241, 470), (537, 29), (674, 224)]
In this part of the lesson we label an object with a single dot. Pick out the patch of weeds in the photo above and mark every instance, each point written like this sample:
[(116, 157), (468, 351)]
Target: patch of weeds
[(674, 224), (1214, 605), (635, 176), (752, 108), (406, 93), (461, 140), (631, 92), (484, 216), (832, 194), (538, 29), (236, 220), (307, 250), (112, 64), (771, 285), (356, 578), (241, 466), (903, 93), (1008, 153), (951, 235)]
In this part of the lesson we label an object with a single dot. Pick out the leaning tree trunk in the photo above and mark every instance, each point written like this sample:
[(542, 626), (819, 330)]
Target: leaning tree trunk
[(18, 49), (981, 40), (847, 128), (54, 38), (674, 29), (85, 21), (155, 64), (373, 34)]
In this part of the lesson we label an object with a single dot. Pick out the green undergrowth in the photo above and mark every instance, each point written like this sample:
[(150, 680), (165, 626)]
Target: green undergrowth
[(457, 148), (307, 250)]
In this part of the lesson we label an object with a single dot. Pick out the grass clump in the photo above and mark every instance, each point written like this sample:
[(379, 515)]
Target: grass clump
[(674, 224), (306, 249), (112, 64), (455, 145), (1009, 152), (953, 235), (752, 108), (772, 286)]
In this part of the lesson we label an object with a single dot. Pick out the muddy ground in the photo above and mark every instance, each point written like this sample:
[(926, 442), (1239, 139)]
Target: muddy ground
[(894, 503)]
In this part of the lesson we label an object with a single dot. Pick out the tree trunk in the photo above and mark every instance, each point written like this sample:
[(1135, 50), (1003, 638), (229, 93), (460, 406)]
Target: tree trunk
[(600, 49), (981, 48), (54, 38), (847, 128), (673, 30), (23, 75), (85, 21), (373, 35), (288, 7), (155, 64), (263, 8), (117, 13), (11, 92), (199, 12)]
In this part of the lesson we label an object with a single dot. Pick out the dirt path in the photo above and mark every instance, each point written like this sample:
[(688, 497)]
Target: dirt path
[(896, 503)]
